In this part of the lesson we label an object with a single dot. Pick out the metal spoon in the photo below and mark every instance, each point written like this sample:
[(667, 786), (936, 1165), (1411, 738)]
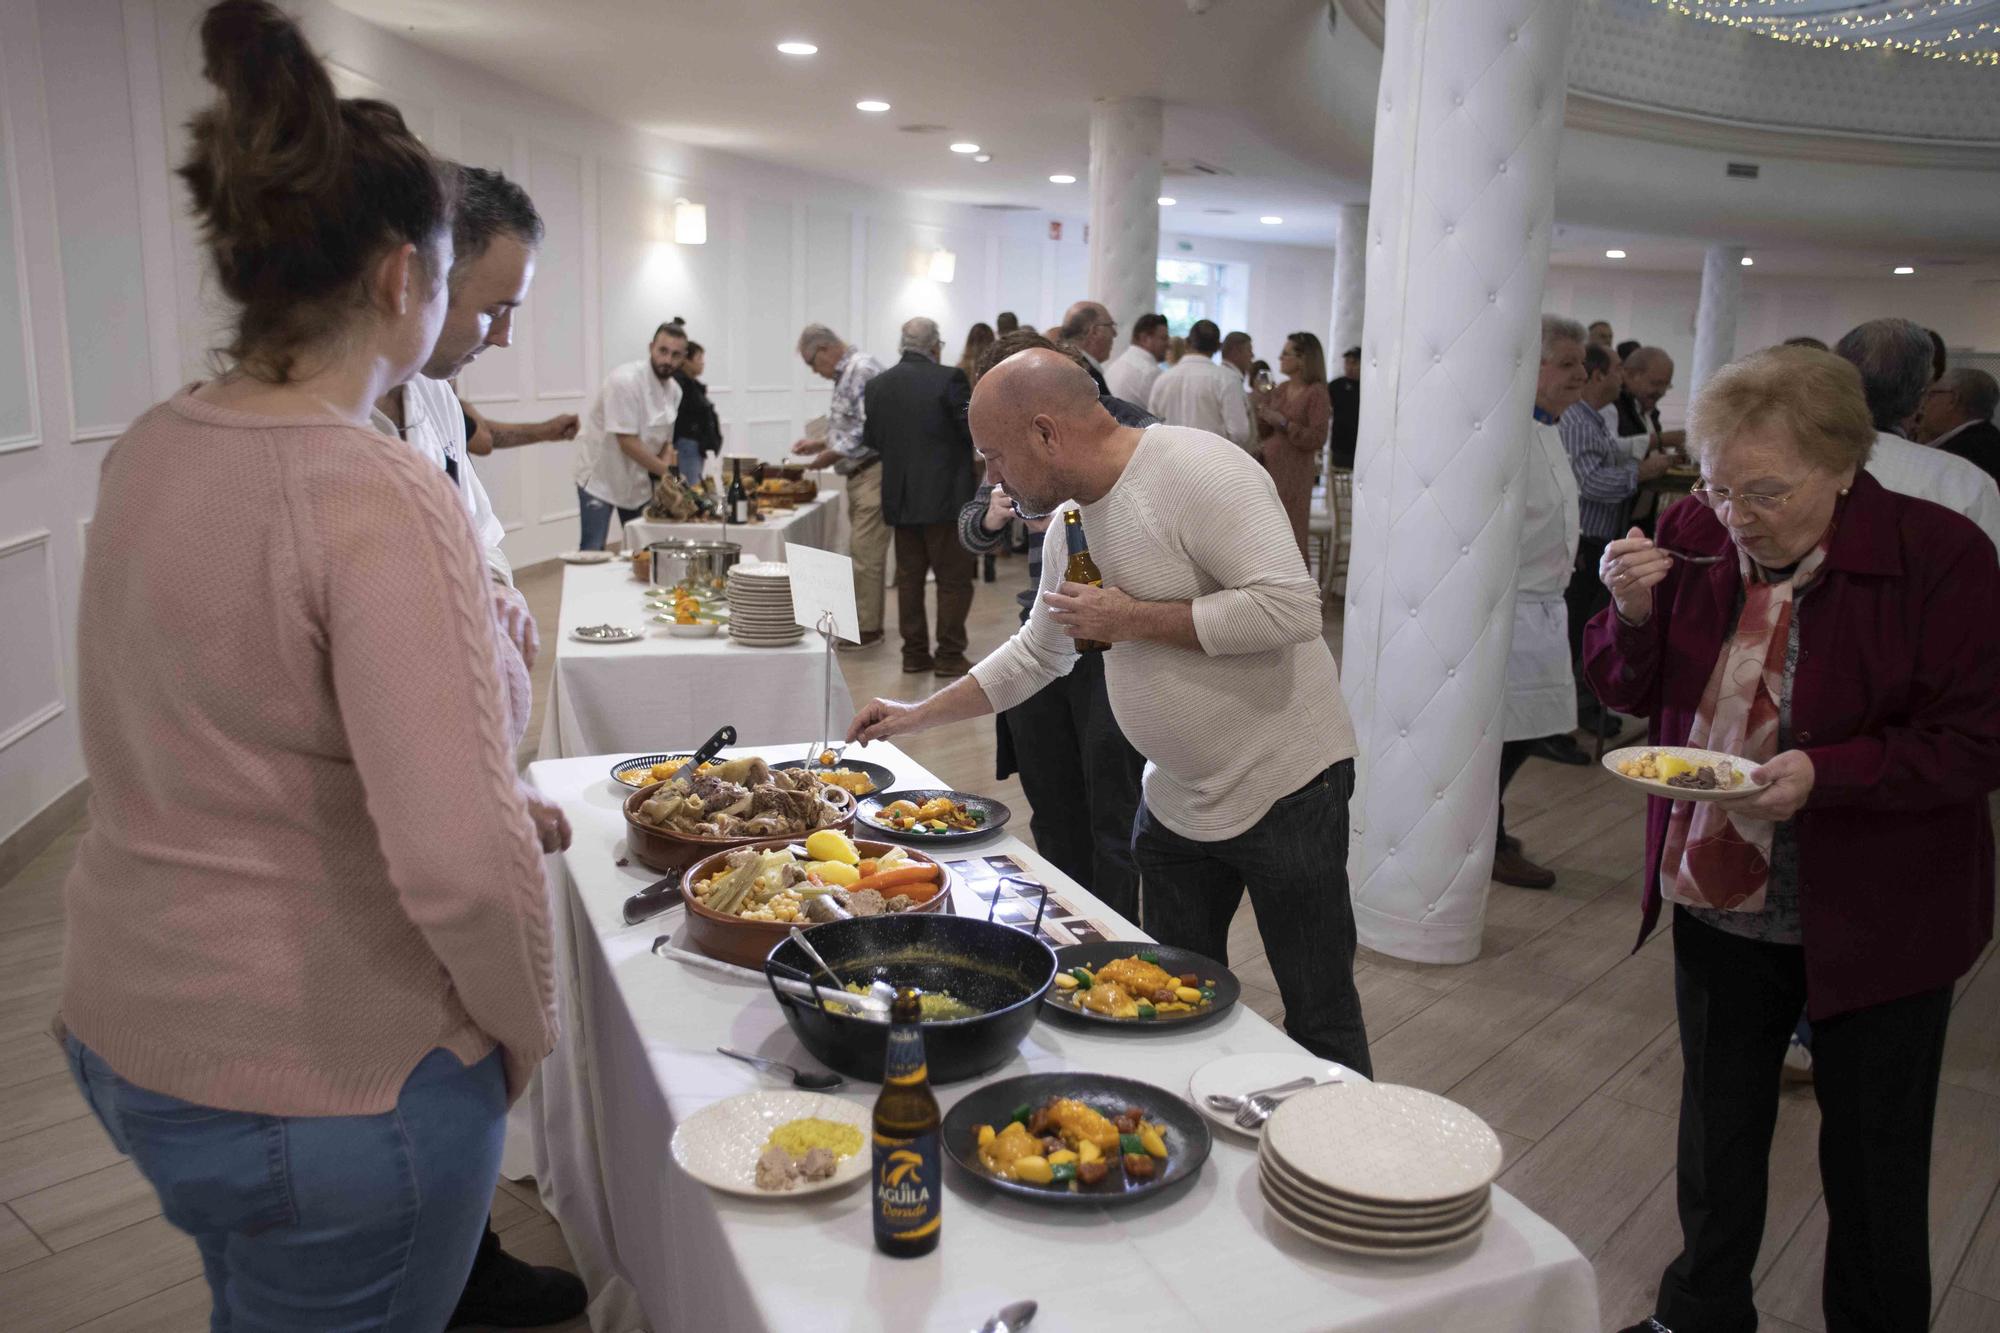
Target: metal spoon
[(1229, 1102), (800, 1078), (1011, 1318), (799, 938)]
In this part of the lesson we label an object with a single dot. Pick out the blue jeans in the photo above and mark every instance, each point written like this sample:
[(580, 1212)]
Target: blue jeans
[(321, 1222), (1294, 862), (687, 454), (596, 518)]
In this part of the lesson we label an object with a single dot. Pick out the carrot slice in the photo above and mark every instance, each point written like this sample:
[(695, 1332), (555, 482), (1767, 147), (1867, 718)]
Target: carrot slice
[(899, 877)]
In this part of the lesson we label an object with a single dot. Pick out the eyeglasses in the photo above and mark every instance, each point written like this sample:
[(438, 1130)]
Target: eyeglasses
[(1716, 496)]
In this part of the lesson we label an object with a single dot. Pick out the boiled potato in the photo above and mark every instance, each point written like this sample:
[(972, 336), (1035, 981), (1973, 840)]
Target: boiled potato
[(832, 845), (837, 873), (1034, 1170)]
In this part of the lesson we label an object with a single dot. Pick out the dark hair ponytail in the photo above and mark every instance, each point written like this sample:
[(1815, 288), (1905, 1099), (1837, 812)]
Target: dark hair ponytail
[(298, 190)]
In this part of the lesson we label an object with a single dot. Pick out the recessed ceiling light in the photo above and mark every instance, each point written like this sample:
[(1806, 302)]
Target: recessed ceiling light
[(1062, 179), (1168, 201), (798, 48), (1747, 262), (1270, 219), (1614, 254), (982, 157), (965, 148), (870, 104), (1904, 270)]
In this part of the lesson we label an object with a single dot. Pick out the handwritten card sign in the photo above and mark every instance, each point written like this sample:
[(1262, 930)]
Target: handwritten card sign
[(823, 581)]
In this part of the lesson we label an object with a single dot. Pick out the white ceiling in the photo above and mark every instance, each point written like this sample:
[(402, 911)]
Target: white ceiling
[(1583, 247)]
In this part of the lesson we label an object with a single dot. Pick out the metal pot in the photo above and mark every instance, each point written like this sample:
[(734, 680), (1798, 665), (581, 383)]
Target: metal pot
[(700, 565)]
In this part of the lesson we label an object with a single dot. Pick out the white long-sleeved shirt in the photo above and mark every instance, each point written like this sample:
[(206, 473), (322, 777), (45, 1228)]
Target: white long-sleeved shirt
[(1257, 713), (434, 425), (1204, 395), (1942, 478), (1130, 375), (632, 401)]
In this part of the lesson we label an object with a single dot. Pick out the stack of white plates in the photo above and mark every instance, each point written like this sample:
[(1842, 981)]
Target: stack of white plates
[(1378, 1169), (760, 606)]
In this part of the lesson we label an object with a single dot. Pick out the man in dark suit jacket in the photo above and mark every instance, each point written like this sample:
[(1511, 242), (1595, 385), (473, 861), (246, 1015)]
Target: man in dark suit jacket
[(916, 421), (1957, 417), (1346, 395)]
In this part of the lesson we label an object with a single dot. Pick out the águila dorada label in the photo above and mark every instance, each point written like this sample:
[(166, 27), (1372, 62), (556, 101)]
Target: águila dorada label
[(908, 1185)]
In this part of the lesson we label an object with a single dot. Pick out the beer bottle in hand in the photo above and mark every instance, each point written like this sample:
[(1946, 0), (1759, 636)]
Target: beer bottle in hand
[(1082, 569), (909, 1188)]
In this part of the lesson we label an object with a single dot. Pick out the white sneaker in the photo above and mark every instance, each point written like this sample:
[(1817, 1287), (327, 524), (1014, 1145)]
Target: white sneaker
[(1798, 1062)]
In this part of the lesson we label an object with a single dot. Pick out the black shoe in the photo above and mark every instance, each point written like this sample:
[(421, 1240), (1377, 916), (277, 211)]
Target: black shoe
[(507, 1293), (1647, 1325), (1607, 725), (1559, 749)]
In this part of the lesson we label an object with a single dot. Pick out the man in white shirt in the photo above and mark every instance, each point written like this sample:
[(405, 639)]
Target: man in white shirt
[(627, 435), (852, 370), (1130, 376), (1894, 358), (1197, 392)]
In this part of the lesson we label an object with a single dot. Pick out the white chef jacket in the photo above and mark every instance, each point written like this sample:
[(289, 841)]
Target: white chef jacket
[(1204, 394), (434, 425), (1541, 691), (1932, 474), (632, 401), (1131, 373)]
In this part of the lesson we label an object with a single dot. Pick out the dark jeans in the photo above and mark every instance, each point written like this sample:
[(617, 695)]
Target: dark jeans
[(920, 549), (1081, 777), (1875, 1073), (1294, 862), (595, 515)]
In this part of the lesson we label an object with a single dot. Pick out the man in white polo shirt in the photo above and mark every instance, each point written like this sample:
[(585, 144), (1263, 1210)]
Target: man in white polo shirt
[(627, 436)]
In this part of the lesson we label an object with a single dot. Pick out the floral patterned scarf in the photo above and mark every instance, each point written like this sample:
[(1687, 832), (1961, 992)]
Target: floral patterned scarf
[(1715, 858)]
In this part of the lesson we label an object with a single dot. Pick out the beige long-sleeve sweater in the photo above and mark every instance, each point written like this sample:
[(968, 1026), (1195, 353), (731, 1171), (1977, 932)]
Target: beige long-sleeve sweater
[(309, 861), (1257, 712)]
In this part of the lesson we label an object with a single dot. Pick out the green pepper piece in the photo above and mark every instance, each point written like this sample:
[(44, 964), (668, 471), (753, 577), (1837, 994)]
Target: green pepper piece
[(1062, 1171), (1208, 992), (1147, 1011), (1129, 1143), (1084, 980), (1148, 956), (1022, 1112)]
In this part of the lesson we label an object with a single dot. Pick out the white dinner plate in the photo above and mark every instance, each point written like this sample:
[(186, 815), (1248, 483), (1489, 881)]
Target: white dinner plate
[(1688, 752), (1300, 1226), (719, 1145), (1368, 1212), (1383, 1231), (1236, 1075), (625, 636), (1384, 1143), (585, 557)]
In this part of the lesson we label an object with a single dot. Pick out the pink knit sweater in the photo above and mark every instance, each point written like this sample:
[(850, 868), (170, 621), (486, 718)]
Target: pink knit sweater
[(309, 861)]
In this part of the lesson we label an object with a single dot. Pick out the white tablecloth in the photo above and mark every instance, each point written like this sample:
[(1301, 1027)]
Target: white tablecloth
[(637, 1057), (666, 693), (814, 524)]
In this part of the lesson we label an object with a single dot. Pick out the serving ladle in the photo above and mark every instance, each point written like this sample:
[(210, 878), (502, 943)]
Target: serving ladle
[(881, 990)]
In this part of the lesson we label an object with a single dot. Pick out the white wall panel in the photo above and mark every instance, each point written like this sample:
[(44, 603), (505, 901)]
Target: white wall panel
[(768, 284), (1020, 279), (20, 424), (484, 145), (829, 296), (31, 674), (555, 178), (95, 165)]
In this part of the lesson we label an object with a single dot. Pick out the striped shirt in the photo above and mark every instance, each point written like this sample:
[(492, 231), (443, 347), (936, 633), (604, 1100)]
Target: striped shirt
[(1254, 715), (1607, 476)]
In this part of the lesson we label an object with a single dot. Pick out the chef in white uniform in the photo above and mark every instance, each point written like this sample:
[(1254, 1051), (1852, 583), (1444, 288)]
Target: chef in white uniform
[(1541, 692)]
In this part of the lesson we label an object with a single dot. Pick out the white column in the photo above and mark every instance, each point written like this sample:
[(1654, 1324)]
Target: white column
[(1467, 122), (1715, 317), (1350, 277), (1124, 207)]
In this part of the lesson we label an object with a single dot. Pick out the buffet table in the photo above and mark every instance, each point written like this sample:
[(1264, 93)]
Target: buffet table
[(815, 523), (659, 1250), (663, 693)]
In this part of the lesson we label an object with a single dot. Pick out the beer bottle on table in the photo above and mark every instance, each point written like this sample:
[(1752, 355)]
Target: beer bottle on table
[(739, 499), (1082, 569), (909, 1188)]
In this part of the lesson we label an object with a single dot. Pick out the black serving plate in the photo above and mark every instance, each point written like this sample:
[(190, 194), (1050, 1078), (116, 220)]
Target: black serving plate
[(883, 778), (997, 815), (1188, 1139), (647, 761), (1227, 988)]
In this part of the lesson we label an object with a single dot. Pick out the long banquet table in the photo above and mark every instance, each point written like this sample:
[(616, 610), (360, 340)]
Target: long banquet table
[(815, 523), (664, 693), (658, 1249)]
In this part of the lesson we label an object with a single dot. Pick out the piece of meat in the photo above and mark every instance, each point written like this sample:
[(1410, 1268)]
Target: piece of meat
[(1077, 1122), (1140, 978), (821, 908), (900, 903), (819, 1164), (866, 902), (775, 1170)]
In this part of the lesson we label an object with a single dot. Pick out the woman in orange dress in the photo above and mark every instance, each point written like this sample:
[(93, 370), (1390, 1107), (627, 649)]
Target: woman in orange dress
[(1292, 422)]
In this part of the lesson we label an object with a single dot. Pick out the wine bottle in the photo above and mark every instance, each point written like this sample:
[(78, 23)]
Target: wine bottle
[(1082, 569), (909, 1189), (739, 499)]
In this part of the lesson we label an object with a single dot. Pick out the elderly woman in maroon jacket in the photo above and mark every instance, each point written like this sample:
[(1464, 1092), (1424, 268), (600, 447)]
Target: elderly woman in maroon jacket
[(1847, 640)]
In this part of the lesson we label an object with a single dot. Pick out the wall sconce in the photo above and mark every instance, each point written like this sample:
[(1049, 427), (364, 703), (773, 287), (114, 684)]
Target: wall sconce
[(944, 265), (690, 223)]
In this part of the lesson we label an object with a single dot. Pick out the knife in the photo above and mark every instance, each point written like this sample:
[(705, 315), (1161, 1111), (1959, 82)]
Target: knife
[(652, 900), (723, 738)]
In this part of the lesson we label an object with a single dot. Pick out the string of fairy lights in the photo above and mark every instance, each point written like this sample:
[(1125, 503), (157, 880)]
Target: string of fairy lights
[(1967, 31)]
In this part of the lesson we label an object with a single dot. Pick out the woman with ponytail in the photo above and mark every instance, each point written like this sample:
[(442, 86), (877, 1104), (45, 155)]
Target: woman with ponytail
[(308, 962)]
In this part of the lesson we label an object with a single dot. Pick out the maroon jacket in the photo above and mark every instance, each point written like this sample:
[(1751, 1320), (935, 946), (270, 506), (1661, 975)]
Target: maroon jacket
[(1896, 700)]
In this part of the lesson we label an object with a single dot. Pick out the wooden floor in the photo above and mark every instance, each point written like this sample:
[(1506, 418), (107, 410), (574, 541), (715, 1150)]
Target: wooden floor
[(1558, 1035)]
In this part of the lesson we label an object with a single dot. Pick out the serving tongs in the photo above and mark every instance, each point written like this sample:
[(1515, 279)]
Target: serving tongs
[(664, 894), (825, 746)]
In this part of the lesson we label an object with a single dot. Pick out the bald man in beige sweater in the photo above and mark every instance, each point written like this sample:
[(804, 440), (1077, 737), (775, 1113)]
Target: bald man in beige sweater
[(1217, 672)]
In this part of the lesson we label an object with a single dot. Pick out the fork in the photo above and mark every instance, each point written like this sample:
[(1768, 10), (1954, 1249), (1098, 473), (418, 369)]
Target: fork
[(1256, 1111), (1689, 556)]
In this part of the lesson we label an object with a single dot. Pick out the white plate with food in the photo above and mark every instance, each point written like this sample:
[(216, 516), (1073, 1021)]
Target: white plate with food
[(605, 634), (1683, 772), (1240, 1075), (585, 557), (765, 1145)]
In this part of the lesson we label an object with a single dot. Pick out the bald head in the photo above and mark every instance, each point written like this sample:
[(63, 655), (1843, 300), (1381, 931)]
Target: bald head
[(1089, 326), (1037, 421), (1037, 382), (1649, 373)]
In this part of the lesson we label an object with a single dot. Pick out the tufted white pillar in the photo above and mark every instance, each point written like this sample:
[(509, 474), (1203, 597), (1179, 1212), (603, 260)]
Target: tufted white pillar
[(1350, 276), (1124, 207), (1715, 317), (1467, 122)]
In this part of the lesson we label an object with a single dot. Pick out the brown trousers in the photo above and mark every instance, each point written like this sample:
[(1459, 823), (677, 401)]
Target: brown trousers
[(920, 551)]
